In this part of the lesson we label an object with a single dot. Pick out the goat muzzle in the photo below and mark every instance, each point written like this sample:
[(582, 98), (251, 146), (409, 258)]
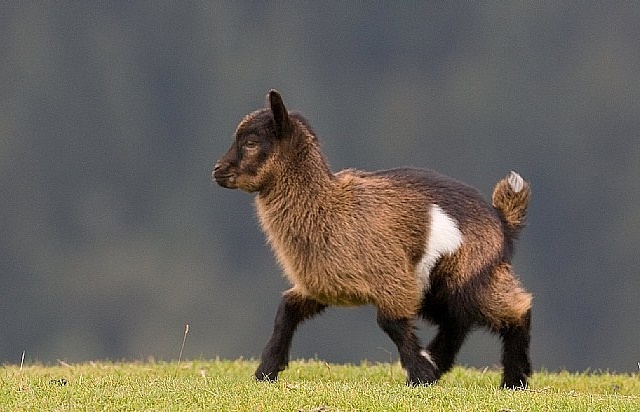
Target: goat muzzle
[(223, 176)]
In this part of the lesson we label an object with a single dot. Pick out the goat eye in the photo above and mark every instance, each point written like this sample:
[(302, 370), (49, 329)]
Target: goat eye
[(250, 144)]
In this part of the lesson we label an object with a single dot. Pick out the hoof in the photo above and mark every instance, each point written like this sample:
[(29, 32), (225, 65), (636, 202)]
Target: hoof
[(515, 384), (419, 382), (423, 371), (266, 376)]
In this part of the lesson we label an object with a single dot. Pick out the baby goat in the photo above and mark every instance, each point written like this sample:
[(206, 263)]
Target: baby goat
[(410, 241)]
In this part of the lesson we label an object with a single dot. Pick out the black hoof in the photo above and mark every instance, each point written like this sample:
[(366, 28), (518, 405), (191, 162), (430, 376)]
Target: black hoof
[(264, 376), (422, 372), (515, 384), (420, 382)]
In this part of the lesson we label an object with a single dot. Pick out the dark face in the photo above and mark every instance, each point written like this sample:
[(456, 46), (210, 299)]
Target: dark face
[(243, 166)]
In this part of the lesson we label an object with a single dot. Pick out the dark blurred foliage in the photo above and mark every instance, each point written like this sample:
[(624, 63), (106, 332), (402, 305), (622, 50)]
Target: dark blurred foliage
[(112, 115)]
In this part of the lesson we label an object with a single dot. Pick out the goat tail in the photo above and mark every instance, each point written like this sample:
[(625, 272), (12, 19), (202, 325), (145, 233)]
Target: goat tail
[(511, 197)]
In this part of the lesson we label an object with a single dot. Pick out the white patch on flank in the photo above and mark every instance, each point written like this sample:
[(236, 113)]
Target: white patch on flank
[(515, 181), (428, 357), (444, 238)]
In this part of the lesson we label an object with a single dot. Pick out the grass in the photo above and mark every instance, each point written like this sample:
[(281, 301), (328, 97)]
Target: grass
[(305, 386)]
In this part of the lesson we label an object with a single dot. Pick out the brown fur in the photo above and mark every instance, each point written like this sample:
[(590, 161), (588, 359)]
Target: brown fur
[(354, 237), (512, 204)]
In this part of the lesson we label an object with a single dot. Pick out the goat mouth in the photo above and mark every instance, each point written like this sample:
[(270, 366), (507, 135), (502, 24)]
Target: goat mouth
[(227, 180)]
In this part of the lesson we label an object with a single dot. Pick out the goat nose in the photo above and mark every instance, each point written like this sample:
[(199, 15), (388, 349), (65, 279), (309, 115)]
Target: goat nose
[(216, 167)]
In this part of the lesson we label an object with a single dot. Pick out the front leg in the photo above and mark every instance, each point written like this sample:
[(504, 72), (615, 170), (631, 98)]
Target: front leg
[(294, 308)]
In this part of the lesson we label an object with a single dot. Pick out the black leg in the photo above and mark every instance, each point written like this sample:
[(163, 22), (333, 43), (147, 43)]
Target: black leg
[(420, 368), (446, 344), (292, 311), (515, 354)]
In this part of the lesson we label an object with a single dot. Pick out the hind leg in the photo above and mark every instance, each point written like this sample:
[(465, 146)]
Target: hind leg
[(420, 369), (506, 308), (452, 329), (446, 344), (515, 353)]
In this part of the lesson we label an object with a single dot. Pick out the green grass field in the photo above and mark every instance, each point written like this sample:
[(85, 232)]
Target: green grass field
[(305, 386)]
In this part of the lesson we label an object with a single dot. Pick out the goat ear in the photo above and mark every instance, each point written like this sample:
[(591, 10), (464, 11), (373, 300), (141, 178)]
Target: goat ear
[(280, 115)]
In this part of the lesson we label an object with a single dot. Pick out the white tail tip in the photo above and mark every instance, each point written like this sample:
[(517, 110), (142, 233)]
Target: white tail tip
[(515, 181)]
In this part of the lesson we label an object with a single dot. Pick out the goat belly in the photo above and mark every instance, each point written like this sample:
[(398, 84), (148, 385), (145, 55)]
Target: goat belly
[(334, 288)]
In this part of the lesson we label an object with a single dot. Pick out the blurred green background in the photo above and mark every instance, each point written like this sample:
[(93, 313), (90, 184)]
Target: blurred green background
[(112, 115)]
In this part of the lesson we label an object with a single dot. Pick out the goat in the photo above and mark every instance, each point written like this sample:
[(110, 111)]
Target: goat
[(412, 242)]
